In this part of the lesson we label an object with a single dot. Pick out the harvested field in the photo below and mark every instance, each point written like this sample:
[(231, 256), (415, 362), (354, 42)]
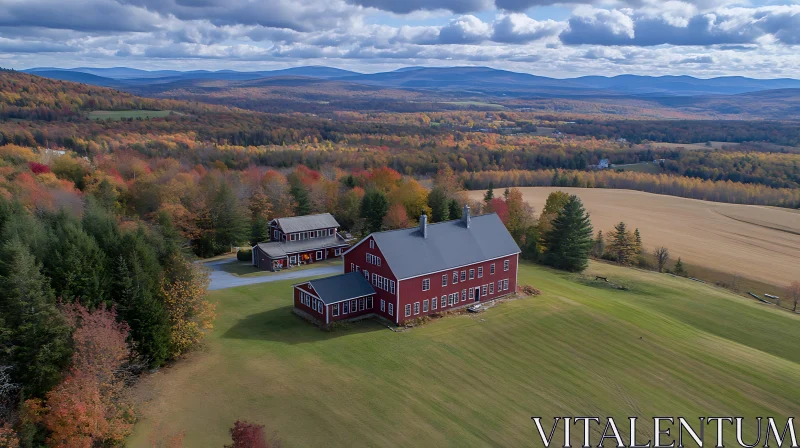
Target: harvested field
[(761, 243)]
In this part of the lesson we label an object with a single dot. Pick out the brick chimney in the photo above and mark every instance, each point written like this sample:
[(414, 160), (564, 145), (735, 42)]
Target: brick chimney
[(465, 216), (423, 225)]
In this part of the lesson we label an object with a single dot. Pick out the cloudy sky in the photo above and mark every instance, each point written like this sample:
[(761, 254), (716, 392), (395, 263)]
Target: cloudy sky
[(758, 38)]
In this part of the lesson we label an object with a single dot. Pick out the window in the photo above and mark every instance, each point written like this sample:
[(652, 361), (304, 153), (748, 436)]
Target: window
[(416, 308), (391, 286), (375, 279), (472, 274), (372, 244), (491, 269), (369, 302), (444, 280), (463, 276), (455, 277), (361, 304), (275, 234), (408, 310), (353, 306), (391, 309), (463, 295), (425, 306), (293, 237), (366, 274), (434, 303), (499, 285), (352, 267), (471, 293), (505, 265), (453, 298), (480, 271), (319, 255), (483, 290), (358, 268), (337, 252), (505, 285), (383, 305), (444, 301), (345, 307), (491, 288), (330, 232), (335, 309), (292, 259), (426, 284)]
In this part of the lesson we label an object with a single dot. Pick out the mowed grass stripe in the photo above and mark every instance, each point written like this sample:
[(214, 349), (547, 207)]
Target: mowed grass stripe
[(476, 380)]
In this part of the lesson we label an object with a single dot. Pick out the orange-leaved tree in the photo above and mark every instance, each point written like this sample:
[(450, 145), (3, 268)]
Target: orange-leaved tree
[(183, 289)]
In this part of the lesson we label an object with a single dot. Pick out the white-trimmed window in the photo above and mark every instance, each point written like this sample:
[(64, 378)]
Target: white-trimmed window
[(358, 268), (391, 309), (337, 252), (464, 276), (505, 265), (444, 280), (372, 244), (369, 303), (471, 293), (426, 284), (366, 274), (352, 267), (416, 308), (391, 286), (434, 303), (480, 271), (345, 307), (353, 306), (455, 277), (472, 274), (483, 290), (425, 306), (293, 237), (383, 305), (361, 304), (491, 269), (452, 299), (319, 255), (463, 295), (408, 310), (375, 279), (505, 285), (335, 309), (491, 288), (331, 232), (292, 259), (444, 301), (499, 285)]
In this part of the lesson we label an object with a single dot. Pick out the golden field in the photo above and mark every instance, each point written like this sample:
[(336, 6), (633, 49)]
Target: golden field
[(761, 243)]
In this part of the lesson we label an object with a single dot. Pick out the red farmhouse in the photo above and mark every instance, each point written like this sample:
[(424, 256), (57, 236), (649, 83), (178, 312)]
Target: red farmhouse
[(299, 240), (408, 273)]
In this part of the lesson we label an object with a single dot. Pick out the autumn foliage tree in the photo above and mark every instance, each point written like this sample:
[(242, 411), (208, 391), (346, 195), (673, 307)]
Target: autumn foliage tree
[(396, 218), (87, 408), (183, 288), (251, 435)]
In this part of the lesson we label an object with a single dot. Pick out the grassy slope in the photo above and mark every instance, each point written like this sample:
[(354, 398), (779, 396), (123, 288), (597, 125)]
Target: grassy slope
[(667, 347)]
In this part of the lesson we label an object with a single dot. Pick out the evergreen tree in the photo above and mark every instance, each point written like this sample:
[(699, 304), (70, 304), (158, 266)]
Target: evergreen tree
[(569, 241), (229, 219), (530, 244), (439, 204), (679, 269), (599, 245), (301, 198), (36, 338), (621, 244), (637, 241), (453, 210), (374, 207), (489, 193), (259, 231), (506, 193)]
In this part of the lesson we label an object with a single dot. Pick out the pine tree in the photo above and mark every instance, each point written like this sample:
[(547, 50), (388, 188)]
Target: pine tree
[(439, 204), (489, 193), (374, 207), (637, 241), (453, 210), (679, 269), (599, 247), (621, 244), (569, 241), (36, 339), (300, 195)]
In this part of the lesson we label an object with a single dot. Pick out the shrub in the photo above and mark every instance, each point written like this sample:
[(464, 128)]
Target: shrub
[(244, 255), (38, 168)]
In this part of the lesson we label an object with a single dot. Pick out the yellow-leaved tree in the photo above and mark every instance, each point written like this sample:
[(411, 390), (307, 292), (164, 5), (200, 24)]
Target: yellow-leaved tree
[(183, 290)]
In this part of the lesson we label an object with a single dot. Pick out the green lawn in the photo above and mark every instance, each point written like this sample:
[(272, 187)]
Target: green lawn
[(644, 167), (120, 114), (666, 347), (246, 269)]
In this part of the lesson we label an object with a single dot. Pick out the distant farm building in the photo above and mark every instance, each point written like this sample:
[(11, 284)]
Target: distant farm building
[(401, 275), (299, 240)]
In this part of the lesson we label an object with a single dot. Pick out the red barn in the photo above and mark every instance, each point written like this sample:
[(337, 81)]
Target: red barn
[(299, 240), (424, 270)]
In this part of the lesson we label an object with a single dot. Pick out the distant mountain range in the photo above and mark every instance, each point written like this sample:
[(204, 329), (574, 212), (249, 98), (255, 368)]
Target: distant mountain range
[(475, 80)]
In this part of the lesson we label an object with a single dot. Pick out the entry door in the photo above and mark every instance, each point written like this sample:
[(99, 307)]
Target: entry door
[(478, 294)]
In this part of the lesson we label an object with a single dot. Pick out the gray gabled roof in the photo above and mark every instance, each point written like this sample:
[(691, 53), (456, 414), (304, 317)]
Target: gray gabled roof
[(294, 224), (279, 249), (448, 245), (342, 287)]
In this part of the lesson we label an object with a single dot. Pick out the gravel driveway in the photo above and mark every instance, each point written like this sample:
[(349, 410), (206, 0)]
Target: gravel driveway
[(223, 280)]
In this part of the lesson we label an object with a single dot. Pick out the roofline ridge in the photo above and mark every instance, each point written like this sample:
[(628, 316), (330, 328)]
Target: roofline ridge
[(431, 225)]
